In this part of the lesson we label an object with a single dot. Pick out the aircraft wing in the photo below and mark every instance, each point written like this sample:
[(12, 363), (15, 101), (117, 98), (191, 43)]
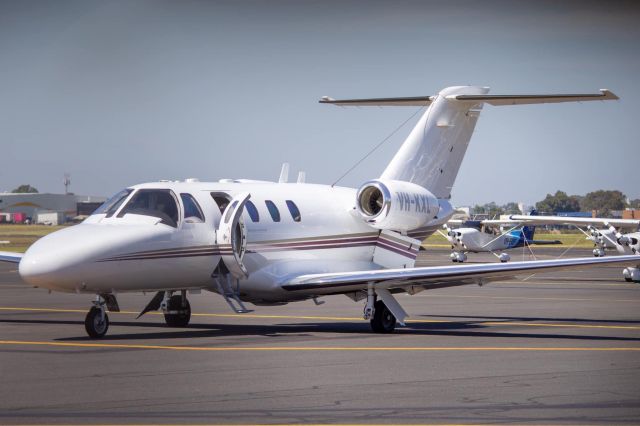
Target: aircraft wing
[(7, 256), (512, 222), (560, 220), (439, 276)]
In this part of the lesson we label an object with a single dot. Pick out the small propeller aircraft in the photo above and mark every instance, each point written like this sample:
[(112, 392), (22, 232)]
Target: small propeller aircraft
[(271, 243), (489, 236), (605, 233)]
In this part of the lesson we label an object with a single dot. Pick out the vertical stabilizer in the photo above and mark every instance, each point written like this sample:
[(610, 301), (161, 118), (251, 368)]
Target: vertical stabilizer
[(432, 154)]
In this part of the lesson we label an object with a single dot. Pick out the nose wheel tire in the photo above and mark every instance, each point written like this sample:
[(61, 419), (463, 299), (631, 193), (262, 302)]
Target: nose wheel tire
[(95, 324), (177, 315), (383, 320)]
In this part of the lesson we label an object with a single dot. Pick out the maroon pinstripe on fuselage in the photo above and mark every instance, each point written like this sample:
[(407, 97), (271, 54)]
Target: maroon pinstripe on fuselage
[(314, 243)]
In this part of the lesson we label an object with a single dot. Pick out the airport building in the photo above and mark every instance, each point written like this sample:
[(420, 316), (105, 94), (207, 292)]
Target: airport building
[(50, 208)]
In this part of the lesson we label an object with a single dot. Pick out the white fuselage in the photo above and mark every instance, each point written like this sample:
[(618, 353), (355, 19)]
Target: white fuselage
[(477, 241), (125, 252)]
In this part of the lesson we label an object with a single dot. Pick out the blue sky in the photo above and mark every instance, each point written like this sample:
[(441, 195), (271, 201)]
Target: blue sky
[(123, 92)]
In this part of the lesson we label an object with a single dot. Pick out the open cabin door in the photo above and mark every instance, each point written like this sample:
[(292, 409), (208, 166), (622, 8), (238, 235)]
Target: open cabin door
[(231, 236)]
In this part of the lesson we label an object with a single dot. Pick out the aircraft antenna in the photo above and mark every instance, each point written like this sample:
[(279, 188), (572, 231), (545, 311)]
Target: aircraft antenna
[(378, 145)]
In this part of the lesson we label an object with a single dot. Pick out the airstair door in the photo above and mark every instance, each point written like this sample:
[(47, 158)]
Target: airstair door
[(231, 237)]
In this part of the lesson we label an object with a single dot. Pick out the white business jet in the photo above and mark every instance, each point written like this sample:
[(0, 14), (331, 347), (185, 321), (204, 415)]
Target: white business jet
[(489, 236), (606, 234), (275, 243)]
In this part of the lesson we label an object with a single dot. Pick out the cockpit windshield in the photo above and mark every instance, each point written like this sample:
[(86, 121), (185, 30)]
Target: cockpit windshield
[(110, 206), (160, 203)]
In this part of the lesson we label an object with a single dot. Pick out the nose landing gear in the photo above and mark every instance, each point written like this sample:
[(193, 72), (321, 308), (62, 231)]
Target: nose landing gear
[(97, 321)]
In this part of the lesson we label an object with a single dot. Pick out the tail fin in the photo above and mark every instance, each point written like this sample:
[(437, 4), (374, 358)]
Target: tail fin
[(529, 230), (432, 153)]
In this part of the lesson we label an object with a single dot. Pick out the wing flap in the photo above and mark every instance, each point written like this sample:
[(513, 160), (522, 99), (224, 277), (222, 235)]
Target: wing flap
[(7, 256), (441, 276)]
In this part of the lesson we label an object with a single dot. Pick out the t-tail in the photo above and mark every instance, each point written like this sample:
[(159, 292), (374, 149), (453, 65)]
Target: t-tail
[(412, 193), (433, 152)]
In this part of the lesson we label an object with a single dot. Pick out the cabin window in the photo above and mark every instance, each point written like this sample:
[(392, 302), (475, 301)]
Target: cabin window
[(192, 210), (253, 211), (273, 210), (159, 203), (293, 209), (112, 204)]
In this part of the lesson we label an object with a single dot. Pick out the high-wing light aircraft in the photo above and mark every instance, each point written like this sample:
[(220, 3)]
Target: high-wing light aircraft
[(489, 236), (605, 233), (274, 243)]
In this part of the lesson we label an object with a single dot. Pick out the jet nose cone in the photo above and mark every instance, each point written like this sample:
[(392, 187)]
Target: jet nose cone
[(52, 261), (40, 266)]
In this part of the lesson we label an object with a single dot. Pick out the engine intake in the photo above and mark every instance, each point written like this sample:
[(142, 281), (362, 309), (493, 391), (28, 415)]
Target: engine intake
[(396, 205)]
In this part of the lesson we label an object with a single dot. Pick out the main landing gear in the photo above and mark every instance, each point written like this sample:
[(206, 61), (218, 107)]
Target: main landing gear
[(379, 316), (383, 320), (177, 311), (176, 308), (458, 256), (631, 274)]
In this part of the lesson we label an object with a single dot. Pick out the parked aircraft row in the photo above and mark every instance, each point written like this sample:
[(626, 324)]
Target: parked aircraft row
[(271, 243), (495, 236)]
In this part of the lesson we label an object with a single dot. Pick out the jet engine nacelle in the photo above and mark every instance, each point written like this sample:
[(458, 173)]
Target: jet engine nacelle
[(396, 205)]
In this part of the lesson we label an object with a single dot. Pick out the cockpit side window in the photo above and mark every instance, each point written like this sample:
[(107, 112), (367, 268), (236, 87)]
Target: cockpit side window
[(110, 206), (159, 203), (192, 210)]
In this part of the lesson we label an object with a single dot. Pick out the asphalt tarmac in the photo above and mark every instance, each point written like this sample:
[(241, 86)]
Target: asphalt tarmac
[(558, 348)]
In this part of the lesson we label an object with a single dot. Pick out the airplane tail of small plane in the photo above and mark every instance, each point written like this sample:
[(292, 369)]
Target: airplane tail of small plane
[(529, 230), (433, 152)]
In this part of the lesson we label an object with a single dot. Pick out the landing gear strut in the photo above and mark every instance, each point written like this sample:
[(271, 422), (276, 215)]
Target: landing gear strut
[(97, 321), (177, 310)]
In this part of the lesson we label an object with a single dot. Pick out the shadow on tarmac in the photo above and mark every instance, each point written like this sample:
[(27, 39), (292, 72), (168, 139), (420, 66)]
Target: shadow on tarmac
[(459, 329)]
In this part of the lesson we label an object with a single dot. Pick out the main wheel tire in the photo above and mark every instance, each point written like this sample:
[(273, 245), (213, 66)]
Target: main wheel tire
[(628, 279), (180, 319), (383, 320), (94, 324)]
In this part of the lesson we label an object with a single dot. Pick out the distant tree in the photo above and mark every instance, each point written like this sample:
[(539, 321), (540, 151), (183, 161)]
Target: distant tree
[(604, 201), (559, 202), (635, 204), (511, 208), (25, 189), (491, 209)]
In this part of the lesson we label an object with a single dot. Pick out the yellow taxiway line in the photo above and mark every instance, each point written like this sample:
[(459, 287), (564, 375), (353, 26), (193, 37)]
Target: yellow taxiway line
[(329, 318), (319, 348)]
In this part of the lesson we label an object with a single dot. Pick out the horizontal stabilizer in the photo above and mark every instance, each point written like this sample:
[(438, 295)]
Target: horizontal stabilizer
[(499, 100), (496, 100), (412, 101)]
